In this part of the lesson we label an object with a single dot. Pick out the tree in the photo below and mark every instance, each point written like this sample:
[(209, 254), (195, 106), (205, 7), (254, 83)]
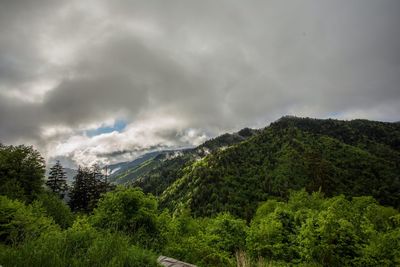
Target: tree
[(97, 185), (330, 237), (128, 210), (227, 233), (88, 185), (131, 211), (22, 171), (57, 180), (79, 195)]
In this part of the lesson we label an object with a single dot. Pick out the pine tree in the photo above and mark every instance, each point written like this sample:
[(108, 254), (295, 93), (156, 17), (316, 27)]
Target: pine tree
[(99, 185), (95, 185), (88, 186), (57, 181), (79, 195)]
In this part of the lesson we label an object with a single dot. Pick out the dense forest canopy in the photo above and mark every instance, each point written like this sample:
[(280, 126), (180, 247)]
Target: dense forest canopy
[(301, 192), (354, 158)]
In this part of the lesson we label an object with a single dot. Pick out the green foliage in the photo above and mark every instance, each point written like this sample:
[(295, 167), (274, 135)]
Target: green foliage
[(19, 222), (131, 211), (213, 193), (57, 180), (126, 209), (88, 185), (350, 132), (330, 237), (382, 250), (272, 236), (196, 240), (227, 233), (168, 170), (56, 209), (21, 172), (130, 174), (80, 245), (308, 229), (334, 157), (158, 179)]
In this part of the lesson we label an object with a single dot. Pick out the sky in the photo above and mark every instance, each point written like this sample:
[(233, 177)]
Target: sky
[(105, 81)]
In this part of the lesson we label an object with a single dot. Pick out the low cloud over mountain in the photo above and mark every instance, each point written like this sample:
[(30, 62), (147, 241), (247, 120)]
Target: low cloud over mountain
[(177, 72)]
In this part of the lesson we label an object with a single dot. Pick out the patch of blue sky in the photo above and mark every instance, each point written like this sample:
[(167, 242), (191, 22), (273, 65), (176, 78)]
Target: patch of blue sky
[(335, 114), (119, 126)]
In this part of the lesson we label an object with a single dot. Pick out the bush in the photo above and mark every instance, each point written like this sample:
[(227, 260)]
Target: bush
[(19, 222), (198, 241), (309, 229), (227, 233), (196, 250), (56, 208), (383, 250), (131, 211), (81, 245)]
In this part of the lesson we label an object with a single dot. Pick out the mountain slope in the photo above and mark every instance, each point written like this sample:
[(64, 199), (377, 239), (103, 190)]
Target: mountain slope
[(123, 172), (354, 158), (169, 170)]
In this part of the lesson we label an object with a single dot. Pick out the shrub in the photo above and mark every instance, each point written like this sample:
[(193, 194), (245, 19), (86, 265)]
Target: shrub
[(131, 211), (19, 222), (56, 208), (227, 233), (81, 245)]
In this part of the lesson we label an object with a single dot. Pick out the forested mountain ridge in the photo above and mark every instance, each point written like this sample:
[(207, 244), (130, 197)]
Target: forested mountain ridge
[(337, 157), (127, 172), (156, 180), (350, 132), (260, 176), (155, 162)]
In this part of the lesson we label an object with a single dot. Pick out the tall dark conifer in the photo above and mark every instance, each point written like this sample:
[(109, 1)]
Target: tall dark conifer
[(88, 186), (95, 185), (79, 196), (57, 180)]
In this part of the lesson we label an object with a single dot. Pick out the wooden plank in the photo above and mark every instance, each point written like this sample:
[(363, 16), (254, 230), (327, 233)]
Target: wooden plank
[(170, 262)]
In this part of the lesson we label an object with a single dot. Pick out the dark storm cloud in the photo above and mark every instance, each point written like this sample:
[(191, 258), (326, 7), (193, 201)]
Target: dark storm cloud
[(21, 22), (175, 70)]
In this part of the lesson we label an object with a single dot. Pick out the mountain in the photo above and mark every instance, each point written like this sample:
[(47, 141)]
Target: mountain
[(123, 172), (170, 169), (127, 172), (354, 158), (156, 162)]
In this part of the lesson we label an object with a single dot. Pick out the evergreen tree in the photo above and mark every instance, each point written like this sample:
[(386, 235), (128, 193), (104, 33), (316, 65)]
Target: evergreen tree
[(79, 196), (97, 185), (88, 186), (57, 180)]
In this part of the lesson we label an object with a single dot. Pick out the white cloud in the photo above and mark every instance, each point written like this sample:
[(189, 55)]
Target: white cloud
[(152, 133), (176, 70)]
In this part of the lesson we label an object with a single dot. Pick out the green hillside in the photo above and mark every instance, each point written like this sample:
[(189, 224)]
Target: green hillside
[(237, 200), (351, 157), (157, 179)]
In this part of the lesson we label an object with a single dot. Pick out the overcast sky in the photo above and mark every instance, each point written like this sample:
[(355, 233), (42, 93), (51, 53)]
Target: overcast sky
[(105, 81)]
